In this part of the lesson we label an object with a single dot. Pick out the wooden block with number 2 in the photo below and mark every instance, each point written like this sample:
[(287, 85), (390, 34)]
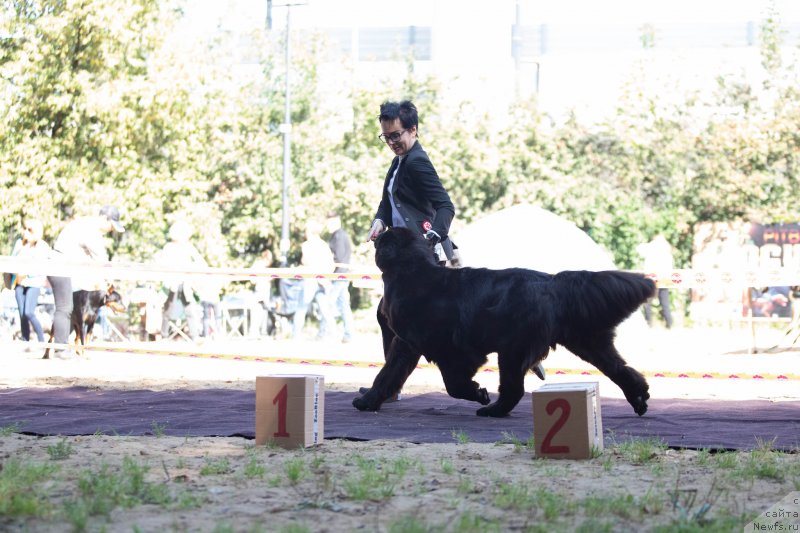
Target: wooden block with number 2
[(567, 423)]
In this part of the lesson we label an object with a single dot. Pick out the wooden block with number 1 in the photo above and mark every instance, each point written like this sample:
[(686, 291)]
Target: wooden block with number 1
[(567, 423), (290, 410)]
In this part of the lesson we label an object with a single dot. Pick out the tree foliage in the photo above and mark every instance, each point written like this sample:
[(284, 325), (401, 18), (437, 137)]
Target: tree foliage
[(101, 106)]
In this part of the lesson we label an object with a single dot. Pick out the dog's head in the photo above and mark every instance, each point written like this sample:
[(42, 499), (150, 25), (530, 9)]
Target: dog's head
[(113, 300), (400, 249)]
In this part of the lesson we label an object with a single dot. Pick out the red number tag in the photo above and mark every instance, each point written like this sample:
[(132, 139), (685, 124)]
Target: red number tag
[(281, 399), (552, 405)]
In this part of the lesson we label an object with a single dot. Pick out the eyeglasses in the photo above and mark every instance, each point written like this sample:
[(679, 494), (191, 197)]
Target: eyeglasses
[(392, 137)]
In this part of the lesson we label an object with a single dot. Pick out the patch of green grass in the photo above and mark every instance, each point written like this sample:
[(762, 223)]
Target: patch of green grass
[(607, 461), (20, 489), (763, 462), (253, 468), (519, 444), (7, 431), (412, 524), (514, 496), (725, 460), (60, 450), (466, 486), (188, 500), (595, 525), (295, 528), (642, 451), (460, 436), (296, 470), (103, 490), (552, 504), (470, 522), (691, 507), (447, 466), (621, 505), (716, 524), (373, 481), (760, 463), (400, 466), (703, 457), (215, 467), (158, 429), (518, 497)]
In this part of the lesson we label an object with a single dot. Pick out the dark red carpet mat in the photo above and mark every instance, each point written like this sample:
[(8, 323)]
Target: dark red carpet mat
[(431, 417)]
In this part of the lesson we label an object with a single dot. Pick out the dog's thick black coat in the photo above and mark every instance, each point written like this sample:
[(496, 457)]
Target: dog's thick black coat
[(85, 306), (456, 317)]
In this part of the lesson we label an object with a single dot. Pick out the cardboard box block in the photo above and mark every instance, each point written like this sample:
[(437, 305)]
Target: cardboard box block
[(290, 410), (567, 423)]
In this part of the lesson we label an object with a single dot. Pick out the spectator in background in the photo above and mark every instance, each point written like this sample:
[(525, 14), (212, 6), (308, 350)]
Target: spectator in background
[(208, 292), (262, 289), (772, 302), (81, 239), (316, 259), (177, 253), (657, 258), (27, 287), (342, 248)]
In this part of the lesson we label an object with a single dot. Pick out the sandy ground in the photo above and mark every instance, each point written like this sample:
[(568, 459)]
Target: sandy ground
[(227, 484)]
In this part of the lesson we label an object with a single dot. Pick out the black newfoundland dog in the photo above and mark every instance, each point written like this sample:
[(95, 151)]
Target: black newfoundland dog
[(456, 317)]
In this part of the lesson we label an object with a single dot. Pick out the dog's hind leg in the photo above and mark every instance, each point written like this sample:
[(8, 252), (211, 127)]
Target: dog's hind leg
[(401, 360), (512, 387), (459, 384), (601, 352)]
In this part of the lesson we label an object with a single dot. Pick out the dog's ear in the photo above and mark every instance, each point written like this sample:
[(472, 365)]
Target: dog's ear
[(110, 289)]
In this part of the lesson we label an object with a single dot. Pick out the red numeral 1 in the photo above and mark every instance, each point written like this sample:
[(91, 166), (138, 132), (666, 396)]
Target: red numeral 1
[(552, 405), (281, 400)]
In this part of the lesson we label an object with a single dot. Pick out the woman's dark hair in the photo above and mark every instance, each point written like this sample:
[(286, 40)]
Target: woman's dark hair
[(406, 111)]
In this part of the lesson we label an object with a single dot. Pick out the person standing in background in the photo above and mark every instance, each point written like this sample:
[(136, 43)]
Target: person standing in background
[(657, 258), (317, 259), (82, 239), (180, 252), (28, 287), (342, 249)]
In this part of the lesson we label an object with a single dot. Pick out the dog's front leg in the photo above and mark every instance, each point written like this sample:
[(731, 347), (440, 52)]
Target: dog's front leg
[(512, 388), (459, 383), (401, 360)]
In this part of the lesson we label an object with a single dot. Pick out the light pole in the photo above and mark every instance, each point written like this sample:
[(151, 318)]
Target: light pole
[(286, 130)]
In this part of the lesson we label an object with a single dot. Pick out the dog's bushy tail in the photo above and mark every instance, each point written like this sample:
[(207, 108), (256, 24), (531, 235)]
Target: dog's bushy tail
[(603, 298)]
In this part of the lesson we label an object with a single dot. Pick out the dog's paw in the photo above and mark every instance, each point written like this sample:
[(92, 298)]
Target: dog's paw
[(362, 405), (492, 410), (483, 397), (639, 403)]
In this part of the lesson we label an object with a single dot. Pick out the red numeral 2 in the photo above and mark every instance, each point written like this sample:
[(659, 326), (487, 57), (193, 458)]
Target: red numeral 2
[(552, 405), (281, 400)]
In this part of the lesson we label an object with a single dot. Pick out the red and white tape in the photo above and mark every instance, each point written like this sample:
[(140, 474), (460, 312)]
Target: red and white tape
[(673, 279)]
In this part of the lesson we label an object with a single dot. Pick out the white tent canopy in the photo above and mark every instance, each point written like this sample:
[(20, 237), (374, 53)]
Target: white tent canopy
[(527, 236)]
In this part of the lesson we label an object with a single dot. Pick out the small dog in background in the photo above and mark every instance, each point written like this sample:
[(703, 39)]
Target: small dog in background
[(85, 306)]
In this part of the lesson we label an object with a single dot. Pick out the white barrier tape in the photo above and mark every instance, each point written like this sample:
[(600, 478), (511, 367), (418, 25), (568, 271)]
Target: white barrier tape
[(151, 272), (673, 279), (697, 279)]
